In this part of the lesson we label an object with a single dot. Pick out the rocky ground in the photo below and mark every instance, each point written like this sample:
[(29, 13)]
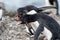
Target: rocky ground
[(9, 30)]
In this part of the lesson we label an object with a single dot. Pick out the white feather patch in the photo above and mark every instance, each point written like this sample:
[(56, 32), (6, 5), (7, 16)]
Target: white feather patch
[(32, 12), (47, 33)]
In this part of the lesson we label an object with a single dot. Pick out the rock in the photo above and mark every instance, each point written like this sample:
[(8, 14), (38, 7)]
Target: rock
[(12, 31)]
